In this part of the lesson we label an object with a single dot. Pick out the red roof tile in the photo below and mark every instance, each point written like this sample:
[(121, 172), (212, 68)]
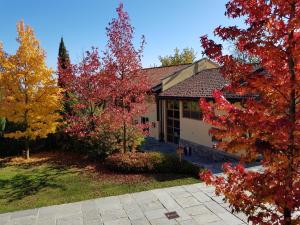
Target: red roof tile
[(155, 74), (201, 84)]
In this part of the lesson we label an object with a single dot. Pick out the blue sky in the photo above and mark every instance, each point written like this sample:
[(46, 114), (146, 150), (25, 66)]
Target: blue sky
[(166, 24)]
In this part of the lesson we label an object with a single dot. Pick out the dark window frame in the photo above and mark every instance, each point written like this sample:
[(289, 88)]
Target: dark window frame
[(145, 120), (173, 121), (191, 110)]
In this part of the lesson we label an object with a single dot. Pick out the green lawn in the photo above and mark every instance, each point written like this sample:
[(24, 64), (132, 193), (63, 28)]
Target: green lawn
[(47, 182)]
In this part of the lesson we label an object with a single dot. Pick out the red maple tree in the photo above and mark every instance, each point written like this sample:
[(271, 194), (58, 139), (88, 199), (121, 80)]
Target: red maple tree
[(64, 73), (90, 89), (267, 124), (122, 63)]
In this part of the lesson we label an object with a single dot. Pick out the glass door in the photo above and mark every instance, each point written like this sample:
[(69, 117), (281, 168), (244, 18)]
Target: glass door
[(173, 121)]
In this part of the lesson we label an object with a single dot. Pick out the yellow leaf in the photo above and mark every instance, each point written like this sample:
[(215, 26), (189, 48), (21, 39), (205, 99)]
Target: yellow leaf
[(30, 94)]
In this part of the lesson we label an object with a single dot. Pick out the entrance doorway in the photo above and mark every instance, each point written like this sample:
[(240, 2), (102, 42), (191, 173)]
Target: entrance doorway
[(173, 121)]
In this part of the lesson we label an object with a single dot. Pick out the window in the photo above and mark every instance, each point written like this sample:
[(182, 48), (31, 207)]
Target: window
[(191, 110), (173, 121), (145, 120), (173, 105)]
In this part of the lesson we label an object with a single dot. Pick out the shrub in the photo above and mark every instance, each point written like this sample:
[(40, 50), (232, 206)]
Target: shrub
[(2, 125), (149, 162)]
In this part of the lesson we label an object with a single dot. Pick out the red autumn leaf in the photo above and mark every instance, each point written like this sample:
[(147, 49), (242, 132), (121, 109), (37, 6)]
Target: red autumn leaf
[(266, 123), (122, 64)]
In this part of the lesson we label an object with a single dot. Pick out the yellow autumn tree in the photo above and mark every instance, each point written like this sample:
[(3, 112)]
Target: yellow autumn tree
[(31, 97)]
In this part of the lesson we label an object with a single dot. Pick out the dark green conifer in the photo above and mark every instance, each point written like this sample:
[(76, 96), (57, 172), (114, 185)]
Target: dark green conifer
[(63, 55)]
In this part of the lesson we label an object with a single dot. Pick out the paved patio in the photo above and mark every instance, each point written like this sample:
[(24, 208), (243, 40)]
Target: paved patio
[(215, 166), (195, 204)]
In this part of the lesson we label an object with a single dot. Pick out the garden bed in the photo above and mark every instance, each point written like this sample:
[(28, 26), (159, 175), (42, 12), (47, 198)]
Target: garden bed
[(150, 162)]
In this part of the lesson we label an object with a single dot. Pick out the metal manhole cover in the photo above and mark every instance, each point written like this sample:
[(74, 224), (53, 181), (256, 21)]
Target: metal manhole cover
[(171, 215)]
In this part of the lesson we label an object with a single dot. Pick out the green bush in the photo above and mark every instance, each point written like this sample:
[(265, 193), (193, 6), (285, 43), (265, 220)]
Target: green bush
[(149, 162), (2, 125)]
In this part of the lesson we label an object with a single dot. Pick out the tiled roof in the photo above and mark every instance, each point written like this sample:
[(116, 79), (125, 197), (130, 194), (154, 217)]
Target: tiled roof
[(201, 84), (155, 74)]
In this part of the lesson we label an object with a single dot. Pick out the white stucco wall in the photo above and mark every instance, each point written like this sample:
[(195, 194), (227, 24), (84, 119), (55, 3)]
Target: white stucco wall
[(153, 123), (151, 114), (195, 131)]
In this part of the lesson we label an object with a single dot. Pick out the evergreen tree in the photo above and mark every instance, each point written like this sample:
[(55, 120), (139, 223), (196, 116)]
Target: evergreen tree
[(63, 54), (65, 78), (63, 62)]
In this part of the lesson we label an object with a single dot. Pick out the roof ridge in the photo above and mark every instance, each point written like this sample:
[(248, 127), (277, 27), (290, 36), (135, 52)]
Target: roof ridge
[(201, 84), (157, 67), (204, 70), (217, 68), (198, 73), (197, 61)]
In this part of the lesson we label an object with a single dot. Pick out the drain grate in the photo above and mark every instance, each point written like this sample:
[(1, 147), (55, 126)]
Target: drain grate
[(172, 215)]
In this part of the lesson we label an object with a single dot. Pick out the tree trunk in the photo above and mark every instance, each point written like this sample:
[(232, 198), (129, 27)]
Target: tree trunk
[(287, 216), (27, 149), (292, 118), (26, 127), (124, 137), (27, 154)]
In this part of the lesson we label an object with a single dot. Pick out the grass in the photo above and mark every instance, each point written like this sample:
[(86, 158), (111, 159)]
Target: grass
[(54, 178)]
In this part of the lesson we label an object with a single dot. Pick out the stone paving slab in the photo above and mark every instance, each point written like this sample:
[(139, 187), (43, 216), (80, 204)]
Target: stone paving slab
[(195, 204)]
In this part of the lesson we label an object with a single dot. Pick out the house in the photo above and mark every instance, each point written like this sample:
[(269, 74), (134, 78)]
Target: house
[(173, 112)]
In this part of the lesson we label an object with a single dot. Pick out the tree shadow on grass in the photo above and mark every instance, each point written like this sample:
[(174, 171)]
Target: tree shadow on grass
[(27, 184)]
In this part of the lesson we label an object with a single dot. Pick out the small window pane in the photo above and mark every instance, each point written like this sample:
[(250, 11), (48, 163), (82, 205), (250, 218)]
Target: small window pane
[(176, 140), (194, 106), (185, 105), (144, 120), (170, 122), (170, 113), (176, 114), (190, 105), (186, 114), (192, 110), (170, 104), (195, 115), (170, 138), (176, 124), (170, 130), (176, 132), (201, 116), (176, 105)]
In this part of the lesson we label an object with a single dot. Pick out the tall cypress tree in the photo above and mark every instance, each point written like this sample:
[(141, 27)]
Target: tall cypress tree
[(63, 55), (64, 72), (63, 62)]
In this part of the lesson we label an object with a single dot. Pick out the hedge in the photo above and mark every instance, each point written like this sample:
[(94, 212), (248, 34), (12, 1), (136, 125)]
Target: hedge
[(150, 162)]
